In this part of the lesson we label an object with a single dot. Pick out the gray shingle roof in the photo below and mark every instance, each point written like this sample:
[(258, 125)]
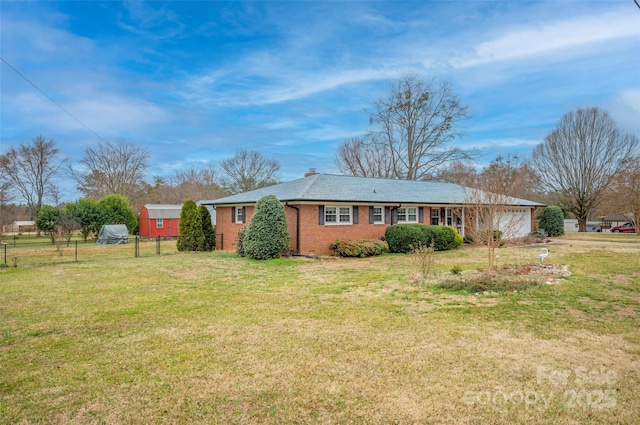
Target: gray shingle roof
[(334, 188)]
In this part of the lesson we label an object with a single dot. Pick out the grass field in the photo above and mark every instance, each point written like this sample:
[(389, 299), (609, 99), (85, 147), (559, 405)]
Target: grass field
[(213, 338)]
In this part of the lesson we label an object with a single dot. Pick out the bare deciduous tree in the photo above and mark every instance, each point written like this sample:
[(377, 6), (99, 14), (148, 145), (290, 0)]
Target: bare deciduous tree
[(31, 170), (415, 125), (458, 172), (112, 168), (579, 158), (248, 170), (355, 157), (492, 208)]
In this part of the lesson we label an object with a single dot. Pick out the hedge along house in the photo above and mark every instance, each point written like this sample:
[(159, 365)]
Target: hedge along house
[(322, 208), (160, 220)]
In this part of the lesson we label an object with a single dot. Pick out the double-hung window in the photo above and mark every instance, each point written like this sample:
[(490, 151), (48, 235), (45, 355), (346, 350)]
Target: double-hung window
[(159, 223), (239, 214), (407, 215), (378, 215), (337, 215)]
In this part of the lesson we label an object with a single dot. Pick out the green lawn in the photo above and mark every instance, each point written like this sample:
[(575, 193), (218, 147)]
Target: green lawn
[(213, 338)]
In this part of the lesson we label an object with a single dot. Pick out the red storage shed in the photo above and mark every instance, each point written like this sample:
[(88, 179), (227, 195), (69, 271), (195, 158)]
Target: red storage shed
[(160, 220)]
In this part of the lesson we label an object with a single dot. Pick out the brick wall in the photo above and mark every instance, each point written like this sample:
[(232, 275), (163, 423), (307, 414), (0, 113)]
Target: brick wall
[(226, 231), (314, 238)]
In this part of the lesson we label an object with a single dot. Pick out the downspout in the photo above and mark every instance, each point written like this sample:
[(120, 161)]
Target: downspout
[(297, 226), (392, 210)]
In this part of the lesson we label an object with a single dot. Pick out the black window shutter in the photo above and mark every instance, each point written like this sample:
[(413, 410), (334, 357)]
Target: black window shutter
[(356, 217), (244, 214), (321, 214), (371, 218), (233, 214), (387, 214), (421, 215)]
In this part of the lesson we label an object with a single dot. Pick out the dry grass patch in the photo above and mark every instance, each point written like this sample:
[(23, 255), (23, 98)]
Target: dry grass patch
[(213, 338)]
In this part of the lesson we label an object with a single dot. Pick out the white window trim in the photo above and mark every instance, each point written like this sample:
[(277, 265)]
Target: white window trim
[(381, 215), (407, 215), (338, 222), (159, 223), (240, 214)]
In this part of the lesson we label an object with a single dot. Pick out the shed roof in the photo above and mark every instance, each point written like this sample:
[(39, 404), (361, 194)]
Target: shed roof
[(23, 223), (335, 188), (164, 210)]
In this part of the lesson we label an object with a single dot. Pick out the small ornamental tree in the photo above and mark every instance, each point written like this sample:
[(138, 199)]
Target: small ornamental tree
[(47, 220), (191, 235), (267, 235), (552, 221), (115, 209), (88, 216), (207, 228)]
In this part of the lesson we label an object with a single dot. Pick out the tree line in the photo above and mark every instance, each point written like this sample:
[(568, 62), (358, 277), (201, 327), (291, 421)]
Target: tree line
[(30, 173), (586, 165)]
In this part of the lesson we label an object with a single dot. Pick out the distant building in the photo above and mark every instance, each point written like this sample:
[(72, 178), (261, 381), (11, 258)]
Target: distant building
[(20, 227), (571, 225), (160, 220)]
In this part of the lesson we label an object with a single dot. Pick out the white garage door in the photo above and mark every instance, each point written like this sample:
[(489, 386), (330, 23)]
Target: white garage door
[(516, 223)]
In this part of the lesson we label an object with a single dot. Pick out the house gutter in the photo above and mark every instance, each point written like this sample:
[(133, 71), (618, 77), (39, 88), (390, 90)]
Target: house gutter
[(286, 204)]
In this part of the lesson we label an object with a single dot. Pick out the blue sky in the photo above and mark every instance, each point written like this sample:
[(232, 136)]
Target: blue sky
[(192, 81)]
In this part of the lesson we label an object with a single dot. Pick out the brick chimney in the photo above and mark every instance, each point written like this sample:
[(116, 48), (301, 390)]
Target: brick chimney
[(311, 172)]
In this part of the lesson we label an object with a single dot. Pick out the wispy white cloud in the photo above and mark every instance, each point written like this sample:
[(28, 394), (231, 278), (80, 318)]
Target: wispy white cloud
[(107, 114), (553, 37), (152, 22), (625, 107)]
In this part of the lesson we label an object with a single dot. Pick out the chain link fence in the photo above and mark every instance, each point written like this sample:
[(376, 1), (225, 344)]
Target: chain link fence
[(17, 252)]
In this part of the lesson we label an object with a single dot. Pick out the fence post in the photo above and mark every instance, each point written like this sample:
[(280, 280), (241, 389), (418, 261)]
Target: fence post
[(137, 247), (157, 245), (5, 253), (76, 251)]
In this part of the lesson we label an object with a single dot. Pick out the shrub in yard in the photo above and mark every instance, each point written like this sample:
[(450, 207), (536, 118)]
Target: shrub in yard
[(403, 238), (267, 235), (115, 209), (240, 242), (423, 258), (191, 234), (359, 247), (481, 237), (552, 221), (208, 229), (445, 238), (47, 220)]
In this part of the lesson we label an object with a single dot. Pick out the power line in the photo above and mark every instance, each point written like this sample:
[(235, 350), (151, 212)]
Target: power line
[(51, 99)]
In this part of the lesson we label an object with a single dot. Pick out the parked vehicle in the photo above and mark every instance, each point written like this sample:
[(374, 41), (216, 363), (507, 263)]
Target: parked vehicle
[(625, 228)]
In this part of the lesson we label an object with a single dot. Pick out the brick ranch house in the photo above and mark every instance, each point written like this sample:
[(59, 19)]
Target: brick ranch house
[(321, 208)]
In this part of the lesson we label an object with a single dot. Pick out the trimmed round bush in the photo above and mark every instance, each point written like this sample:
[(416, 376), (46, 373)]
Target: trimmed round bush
[(403, 238), (552, 221), (267, 235)]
